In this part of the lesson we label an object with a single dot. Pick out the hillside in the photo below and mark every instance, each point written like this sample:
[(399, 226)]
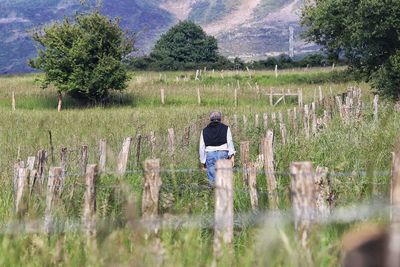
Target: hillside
[(248, 29)]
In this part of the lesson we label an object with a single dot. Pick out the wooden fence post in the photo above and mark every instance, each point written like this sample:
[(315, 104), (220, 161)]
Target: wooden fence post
[(59, 104), (54, 186), (63, 161), (152, 185), (84, 159), (152, 140), (300, 97), (162, 95), (265, 119), (89, 208), (244, 121), (303, 198), (245, 159), (13, 101), (376, 106), (138, 140), (276, 71), (322, 189), (267, 151), (257, 121), (223, 216), (393, 250), (282, 128), (171, 141), (313, 119), (21, 201), (198, 96), (123, 156), (30, 163), (306, 121), (273, 118), (102, 155), (42, 160), (252, 180), (340, 106)]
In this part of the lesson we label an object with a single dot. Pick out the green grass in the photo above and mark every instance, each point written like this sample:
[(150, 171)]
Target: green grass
[(341, 148)]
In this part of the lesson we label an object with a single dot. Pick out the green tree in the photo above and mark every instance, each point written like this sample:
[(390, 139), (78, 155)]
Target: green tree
[(184, 46), (83, 57), (366, 32)]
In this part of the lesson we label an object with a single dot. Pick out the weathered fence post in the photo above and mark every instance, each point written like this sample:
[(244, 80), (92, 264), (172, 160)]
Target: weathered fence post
[(89, 208), (303, 198), (267, 151), (300, 97), (244, 121), (54, 186), (152, 185), (13, 101), (252, 180), (306, 121), (63, 161), (393, 250), (376, 106), (245, 159), (223, 217), (162, 95), (322, 188), (265, 119), (139, 141), (313, 119), (171, 141), (282, 128), (84, 159), (21, 201), (198, 96), (123, 156), (152, 140), (59, 104), (102, 155), (42, 160), (30, 163)]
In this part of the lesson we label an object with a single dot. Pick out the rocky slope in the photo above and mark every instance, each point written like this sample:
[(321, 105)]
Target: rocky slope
[(246, 28)]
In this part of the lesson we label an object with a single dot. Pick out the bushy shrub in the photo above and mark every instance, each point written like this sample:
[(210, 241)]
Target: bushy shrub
[(83, 57)]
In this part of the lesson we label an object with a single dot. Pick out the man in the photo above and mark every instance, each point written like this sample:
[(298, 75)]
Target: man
[(215, 144)]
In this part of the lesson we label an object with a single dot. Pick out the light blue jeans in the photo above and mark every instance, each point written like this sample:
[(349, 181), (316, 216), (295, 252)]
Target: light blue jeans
[(211, 159)]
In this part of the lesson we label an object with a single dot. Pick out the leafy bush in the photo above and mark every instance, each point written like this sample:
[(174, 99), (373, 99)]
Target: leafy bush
[(184, 46), (84, 57)]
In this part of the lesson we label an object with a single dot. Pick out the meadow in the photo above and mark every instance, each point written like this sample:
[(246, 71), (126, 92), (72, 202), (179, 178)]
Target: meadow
[(359, 153)]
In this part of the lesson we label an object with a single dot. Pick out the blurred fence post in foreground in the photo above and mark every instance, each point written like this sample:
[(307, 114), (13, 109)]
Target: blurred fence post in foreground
[(223, 217), (303, 198), (89, 208)]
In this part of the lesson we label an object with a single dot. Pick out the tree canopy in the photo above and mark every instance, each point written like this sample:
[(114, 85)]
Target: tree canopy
[(184, 46), (83, 56), (366, 32)]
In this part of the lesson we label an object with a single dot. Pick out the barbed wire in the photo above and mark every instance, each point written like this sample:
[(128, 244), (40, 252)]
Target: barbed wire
[(358, 212)]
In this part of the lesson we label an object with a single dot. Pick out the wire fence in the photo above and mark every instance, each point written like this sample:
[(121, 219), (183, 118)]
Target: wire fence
[(341, 215)]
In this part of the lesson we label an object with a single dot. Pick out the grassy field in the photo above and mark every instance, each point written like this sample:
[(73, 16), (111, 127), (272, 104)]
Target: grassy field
[(365, 146)]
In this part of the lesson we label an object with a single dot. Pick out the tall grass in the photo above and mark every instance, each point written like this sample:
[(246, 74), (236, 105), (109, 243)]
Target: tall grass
[(363, 146)]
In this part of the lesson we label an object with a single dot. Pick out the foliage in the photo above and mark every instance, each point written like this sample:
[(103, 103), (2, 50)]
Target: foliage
[(184, 46), (84, 57), (367, 32)]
